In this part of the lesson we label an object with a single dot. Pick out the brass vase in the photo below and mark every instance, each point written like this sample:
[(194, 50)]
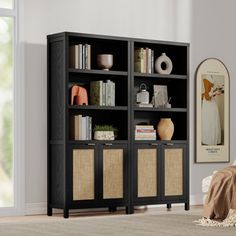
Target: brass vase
[(165, 129)]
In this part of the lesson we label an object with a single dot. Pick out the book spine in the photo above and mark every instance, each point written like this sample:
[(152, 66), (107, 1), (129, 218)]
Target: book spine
[(149, 61), (100, 93), (83, 56), (104, 93), (113, 94), (80, 127), (86, 56), (80, 46), (152, 61), (83, 128), (144, 61), (90, 128), (76, 120), (89, 57)]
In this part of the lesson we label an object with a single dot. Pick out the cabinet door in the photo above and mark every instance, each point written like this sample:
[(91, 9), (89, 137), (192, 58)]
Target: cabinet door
[(114, 169), (83, 173), (147, 171), (174, 161)]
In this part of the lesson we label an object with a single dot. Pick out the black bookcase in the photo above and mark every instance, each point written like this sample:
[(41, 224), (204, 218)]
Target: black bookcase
[(91, 174)]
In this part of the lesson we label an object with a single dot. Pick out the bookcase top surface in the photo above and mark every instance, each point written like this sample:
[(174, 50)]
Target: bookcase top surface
[(97, 36)]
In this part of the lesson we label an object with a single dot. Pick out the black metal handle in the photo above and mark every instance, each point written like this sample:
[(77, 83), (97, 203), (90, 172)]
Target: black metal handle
[(108, 144), (169, 144), (91, 144), (154, 144)]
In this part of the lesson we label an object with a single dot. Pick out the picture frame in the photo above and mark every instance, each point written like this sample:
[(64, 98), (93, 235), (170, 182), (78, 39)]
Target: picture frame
[(212, 112), (160, 96)]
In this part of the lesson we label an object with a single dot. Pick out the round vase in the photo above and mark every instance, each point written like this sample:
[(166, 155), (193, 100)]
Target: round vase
[(165, 129), (163, 59)]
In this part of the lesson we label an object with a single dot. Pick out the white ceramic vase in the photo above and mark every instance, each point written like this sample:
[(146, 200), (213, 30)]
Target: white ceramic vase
[(163, 59)]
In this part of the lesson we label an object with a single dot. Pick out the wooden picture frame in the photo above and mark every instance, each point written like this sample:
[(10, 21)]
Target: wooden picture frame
[(212, 112)]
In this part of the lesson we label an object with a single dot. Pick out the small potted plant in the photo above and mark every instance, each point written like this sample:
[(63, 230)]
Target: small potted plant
[(104, 132)]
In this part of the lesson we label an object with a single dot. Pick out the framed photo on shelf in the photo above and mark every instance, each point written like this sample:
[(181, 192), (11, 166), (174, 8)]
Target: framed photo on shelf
[(212, 112), (160, 95)]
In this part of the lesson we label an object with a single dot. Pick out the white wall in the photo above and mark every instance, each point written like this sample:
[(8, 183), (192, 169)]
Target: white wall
[(209, 25)]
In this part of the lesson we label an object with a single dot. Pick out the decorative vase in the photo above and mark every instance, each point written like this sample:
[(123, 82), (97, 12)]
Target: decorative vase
[(104, 135), (105, 61), (163, 65), (165, 129)]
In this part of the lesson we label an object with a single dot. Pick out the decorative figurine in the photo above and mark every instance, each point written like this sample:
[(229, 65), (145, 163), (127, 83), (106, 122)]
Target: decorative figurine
[(81, 95)]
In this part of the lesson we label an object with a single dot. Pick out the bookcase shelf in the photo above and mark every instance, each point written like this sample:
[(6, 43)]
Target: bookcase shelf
[(122, 172), (152, 109), (136, 74), (98, 72), (91, 107)]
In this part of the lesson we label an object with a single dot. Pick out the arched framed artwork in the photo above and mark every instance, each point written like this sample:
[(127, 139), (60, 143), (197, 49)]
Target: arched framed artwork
[(212, 112)]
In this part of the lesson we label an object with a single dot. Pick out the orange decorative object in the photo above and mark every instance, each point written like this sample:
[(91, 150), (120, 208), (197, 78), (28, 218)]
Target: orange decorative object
[(80, 94)]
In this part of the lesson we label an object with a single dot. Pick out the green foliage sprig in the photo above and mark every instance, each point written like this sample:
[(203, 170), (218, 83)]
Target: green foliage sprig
[(105, 128)]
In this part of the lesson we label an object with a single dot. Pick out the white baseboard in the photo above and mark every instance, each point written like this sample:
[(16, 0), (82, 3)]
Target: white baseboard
[(41, 208)]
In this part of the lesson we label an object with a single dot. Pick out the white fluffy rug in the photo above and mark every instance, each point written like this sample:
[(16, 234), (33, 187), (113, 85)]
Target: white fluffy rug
[(230, 221)]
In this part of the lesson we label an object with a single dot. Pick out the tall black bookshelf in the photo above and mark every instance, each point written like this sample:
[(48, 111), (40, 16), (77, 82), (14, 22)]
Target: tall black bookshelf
[(91, 173)]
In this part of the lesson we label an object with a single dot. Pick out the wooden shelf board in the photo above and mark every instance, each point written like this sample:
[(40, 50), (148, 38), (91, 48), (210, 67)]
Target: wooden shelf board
[(100, 72), (171, 76), (153, 109), (93, 107)]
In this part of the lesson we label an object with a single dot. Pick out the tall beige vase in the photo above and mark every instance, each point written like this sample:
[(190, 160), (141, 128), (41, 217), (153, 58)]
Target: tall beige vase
[(165, 129)]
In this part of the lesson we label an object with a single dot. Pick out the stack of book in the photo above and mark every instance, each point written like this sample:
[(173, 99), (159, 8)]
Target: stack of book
[(81, 127), (102, 93), (145, 132), (80, 56), (143, 60)]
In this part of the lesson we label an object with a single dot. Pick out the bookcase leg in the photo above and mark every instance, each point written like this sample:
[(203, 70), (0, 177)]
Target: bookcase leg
[(168, 205), (130, 210), (49, 211), (186, 206), (66, 213), (112, 209)]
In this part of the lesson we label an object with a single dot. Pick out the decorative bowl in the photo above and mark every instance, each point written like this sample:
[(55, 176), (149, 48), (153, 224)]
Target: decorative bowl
[(105, 61)]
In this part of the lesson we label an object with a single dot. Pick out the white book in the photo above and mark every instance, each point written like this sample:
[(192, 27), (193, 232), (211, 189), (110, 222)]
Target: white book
[(108, 93), (90, 128), (83, 128), (75, 60), (80, 126), (113, 92), (88, 53)]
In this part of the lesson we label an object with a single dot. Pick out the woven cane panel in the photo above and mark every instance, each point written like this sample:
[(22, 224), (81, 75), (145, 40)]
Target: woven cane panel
[(147, 172), (83, 174), (113, 173), (173, 172)]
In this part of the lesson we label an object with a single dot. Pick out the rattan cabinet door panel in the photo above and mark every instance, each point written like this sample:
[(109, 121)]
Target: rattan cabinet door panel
[(173, 171), (83, 174), (113, 160), (147, 172)]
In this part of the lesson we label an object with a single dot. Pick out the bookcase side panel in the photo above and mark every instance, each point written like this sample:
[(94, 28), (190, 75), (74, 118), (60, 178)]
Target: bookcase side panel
[(56, 122)]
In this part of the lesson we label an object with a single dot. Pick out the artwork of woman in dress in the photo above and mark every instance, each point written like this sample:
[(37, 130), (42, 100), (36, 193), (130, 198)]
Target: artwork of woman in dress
[(212, 110)]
